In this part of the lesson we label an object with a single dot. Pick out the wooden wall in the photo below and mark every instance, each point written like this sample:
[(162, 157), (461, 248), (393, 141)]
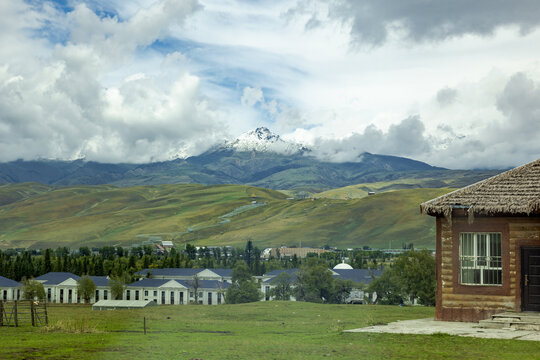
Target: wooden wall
[(457, 302)]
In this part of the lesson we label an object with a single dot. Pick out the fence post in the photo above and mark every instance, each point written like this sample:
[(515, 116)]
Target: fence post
[(46, 316), (15, 314), (32, 313), (1, 312)]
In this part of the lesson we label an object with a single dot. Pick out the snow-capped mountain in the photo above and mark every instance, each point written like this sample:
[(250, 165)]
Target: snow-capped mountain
[(263, 140)]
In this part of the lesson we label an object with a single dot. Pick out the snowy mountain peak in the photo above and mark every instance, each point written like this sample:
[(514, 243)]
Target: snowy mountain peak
[(263, 140)]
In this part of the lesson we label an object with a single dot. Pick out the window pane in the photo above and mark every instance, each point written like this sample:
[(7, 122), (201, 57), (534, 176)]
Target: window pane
[(480, 258)]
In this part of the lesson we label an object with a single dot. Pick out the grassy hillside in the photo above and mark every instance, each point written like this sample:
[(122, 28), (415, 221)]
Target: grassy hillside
[(33, 215)]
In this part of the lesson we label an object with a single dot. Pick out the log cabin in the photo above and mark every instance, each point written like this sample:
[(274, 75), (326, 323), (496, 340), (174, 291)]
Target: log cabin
[(488, 246)]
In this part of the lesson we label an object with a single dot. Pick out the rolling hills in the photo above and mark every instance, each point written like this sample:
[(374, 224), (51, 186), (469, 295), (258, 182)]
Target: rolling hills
[(36, 215)]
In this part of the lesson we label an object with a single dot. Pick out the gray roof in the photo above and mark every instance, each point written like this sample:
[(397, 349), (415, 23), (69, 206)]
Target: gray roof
[(222, 272), (184, 272), (125, 304), (151, 283), (100, 280), (358, 276), (55, 278), (292, 274), (171, 272), (8, 283), (203, 284)]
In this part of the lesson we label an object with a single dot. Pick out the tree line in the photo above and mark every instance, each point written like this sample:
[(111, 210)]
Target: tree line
[(123, 262)]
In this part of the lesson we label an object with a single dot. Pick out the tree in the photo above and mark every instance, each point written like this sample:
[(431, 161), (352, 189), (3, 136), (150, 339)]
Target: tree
[(191, 251), (314, 282), (249, 254), (416, 270), (388, 287), (282, 289), (195, 284), (86, 288), (243, 289), (47, 265), (33, 289), (340, 291), (117, 286)]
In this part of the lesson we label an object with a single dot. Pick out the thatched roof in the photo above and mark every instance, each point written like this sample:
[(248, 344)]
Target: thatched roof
[(514, 192)]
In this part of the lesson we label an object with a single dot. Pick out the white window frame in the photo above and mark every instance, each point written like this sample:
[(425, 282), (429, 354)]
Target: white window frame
[(487, 263)]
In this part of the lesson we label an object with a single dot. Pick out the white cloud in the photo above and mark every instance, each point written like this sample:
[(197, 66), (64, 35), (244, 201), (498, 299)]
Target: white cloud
[(252, 96), (78, 84), (58, 106)]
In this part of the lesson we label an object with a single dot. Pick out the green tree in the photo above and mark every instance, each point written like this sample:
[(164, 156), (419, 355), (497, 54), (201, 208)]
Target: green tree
[(314, 282), (86, 288), (243, 289), (117, 286), (388, 287), (249, 254), (47, 264), (416, 271), (33, 289), (282, 289), (340, 291)]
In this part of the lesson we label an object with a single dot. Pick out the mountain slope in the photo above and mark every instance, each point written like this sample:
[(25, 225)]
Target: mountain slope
[(257, 158), (48, 216)]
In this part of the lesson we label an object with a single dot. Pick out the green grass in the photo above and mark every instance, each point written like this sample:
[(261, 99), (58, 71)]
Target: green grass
[(273, 330), (39, 216)]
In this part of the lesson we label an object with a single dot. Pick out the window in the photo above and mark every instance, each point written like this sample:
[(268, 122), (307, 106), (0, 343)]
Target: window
[(136, 294), (105, 293), (155, 292), (480, 258), (97, 295), (146, 293), (128, 294)]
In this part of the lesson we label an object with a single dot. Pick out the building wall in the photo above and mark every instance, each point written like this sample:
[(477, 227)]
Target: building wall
[(10, 294), (458, 302)]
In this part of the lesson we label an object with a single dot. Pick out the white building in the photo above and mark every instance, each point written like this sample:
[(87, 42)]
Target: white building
[(177, 292), (224, 275), (61, 287), (9, 290)]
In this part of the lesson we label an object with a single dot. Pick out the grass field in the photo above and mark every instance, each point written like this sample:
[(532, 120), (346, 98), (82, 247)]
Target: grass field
[(33, 215), (272, 330)]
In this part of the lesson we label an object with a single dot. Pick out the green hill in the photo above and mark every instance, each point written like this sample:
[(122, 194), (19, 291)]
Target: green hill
[(34, 215)]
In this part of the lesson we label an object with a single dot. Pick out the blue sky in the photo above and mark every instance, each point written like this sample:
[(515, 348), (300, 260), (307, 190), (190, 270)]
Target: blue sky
[(455, 84)]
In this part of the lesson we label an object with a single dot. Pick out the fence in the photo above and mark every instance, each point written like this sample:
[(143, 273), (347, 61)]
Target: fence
[(24, 312)]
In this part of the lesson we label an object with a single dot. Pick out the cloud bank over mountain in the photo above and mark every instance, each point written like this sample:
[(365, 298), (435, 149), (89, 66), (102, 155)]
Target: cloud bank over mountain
[(455, 84)]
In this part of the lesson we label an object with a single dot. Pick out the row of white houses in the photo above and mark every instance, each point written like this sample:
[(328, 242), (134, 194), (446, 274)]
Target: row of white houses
[(168, 286)]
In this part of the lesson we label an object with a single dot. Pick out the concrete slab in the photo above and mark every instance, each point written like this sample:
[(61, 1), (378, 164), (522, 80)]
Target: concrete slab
[(430, 326)]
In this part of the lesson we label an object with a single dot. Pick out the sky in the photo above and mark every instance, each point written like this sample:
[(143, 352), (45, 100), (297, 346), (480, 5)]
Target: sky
[(452, 83)]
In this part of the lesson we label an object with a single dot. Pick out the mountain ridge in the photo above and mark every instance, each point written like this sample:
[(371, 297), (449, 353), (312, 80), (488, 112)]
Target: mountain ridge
[(252, 159)]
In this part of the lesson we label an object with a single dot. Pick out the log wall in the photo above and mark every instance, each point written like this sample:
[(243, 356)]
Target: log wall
[(458, 302)]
